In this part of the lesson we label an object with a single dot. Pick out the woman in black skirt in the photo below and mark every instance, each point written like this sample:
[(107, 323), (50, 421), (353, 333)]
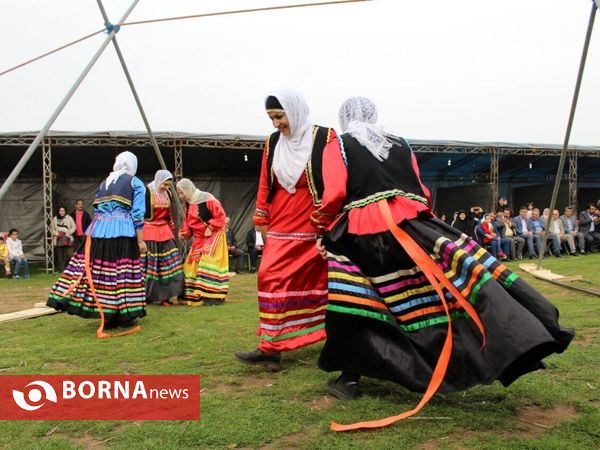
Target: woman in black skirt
[(411, 299)]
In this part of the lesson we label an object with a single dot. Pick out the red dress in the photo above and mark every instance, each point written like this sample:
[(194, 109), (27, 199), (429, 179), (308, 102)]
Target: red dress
[(292, 277), (206, 267)]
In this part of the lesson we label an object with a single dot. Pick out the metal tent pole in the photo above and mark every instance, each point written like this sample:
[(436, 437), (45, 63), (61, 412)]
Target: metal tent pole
[(563, 154), (161, 161), (21, 164)]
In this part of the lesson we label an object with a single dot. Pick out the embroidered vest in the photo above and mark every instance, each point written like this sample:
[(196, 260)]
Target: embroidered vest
[(121, 191), (370, 180), (314, 168), (150, 203)]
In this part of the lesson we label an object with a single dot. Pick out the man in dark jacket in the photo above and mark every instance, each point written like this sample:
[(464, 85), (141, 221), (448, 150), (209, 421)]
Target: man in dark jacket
[(236, 253)]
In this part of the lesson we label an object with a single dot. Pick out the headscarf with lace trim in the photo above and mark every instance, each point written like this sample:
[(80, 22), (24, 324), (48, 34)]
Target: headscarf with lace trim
[(358, 117)]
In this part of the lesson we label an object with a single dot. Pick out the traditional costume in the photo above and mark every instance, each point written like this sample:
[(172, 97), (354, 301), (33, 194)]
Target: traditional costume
[(110, 256), (390, 259), (162, 263), (292, 278), (206, 267)]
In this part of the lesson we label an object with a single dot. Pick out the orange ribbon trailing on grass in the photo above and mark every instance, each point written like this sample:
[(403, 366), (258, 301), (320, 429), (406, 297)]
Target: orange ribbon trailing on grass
[(438, 280), (88, 273)]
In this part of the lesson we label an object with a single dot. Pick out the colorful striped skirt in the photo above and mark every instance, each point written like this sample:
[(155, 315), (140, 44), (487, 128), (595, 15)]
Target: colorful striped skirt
[(385, 320), (292, 292), (163, 271), (208, 277), (117, 277)]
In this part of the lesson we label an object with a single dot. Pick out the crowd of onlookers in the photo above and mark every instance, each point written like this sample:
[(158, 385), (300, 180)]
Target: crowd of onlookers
[(68, 232), (509, 235), (505, 234)]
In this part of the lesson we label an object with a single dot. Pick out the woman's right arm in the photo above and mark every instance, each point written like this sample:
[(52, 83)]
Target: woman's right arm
[(261, 213), (335, 176)]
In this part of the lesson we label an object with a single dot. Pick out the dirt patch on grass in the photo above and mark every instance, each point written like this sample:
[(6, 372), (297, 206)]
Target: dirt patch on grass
[(292, 441), (531, 422), (248, 383), (59, 366), (21, 297), (585, 336), (321, 403), (535, 420)]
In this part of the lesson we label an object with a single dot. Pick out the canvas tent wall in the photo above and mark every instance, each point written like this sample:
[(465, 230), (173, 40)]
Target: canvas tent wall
[(74, 163)]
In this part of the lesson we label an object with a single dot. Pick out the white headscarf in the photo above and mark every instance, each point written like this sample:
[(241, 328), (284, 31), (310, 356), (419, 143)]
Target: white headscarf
[(159, 177), (358, 117), (195, 195), (292, 152), (125, 162)]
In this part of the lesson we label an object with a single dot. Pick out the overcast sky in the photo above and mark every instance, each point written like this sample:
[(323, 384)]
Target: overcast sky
[(461, 69)]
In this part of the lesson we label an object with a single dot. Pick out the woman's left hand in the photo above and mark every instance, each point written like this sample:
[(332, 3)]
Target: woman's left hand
[(142, 247), (321, 248), (207, 232)]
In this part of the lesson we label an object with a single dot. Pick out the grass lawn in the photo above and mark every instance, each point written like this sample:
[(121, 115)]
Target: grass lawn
[(245, 407)]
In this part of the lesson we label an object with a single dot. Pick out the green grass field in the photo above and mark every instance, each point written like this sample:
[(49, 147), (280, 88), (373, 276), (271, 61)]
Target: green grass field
[(245, 407)]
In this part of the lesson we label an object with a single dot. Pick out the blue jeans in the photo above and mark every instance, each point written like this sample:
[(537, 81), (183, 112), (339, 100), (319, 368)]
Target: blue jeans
[(21, 262)]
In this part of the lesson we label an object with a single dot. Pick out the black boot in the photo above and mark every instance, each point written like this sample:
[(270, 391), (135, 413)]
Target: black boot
[(271, 361), (345, 387)]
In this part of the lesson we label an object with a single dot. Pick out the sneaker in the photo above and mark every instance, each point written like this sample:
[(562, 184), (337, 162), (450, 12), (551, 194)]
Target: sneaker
[(166, 303), (16, 277), (271, 361), (343, 390)]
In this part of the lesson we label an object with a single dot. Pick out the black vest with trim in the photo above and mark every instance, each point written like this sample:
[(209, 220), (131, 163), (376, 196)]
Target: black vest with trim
[(314, 168), (203, 212), (370, 180), (150, 203), (121, 191)]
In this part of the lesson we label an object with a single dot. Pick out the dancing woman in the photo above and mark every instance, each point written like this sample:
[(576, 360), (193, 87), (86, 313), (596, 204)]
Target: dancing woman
[(162, 263), (206, 268), (411, 299), (105, 278), (292, 278)]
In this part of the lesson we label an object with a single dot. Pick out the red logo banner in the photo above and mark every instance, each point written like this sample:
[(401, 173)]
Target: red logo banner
[(99, 397)]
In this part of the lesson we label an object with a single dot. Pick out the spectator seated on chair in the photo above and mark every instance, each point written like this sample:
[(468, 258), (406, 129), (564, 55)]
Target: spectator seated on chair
[(589, 225), (15, 254), (255, 244), (558, 235), (490, 237), (507, 232), (236, 253), (523, 228), (571, 227)]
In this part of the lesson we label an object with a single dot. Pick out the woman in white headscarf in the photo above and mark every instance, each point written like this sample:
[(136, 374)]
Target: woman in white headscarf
[(405, 287), (105, 278), (292, 278), (206, 268), (162, 263)]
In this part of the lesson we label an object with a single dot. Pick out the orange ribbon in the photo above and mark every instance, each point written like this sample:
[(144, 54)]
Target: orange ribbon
[(436, 278), (88, 272)]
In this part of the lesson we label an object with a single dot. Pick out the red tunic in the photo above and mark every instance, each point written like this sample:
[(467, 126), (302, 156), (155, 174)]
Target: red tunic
[(292, 277), (160, 228), (194, 226)]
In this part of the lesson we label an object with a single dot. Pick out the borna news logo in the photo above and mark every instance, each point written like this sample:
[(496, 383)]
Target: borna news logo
[(100, 397), (35, 396)]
